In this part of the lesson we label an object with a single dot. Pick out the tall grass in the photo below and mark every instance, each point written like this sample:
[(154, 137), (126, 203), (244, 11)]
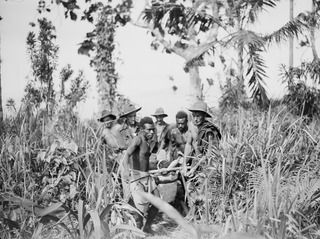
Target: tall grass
[(263, 180), (59, 180), (267, 175)]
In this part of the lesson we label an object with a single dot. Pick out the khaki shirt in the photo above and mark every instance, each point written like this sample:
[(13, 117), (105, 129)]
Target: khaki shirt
[(113, 138), (163, 135), (128, 133)]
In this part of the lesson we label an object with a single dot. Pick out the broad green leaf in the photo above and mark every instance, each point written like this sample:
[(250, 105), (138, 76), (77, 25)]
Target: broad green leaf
[(53, 208), (80, 218), (96, 224), (136, 231)]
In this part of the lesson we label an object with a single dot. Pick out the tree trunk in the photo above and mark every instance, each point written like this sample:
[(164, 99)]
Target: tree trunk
[(240, 65), (49, 99), (312, 38), (103, 91), (196, 91), (240, 53), (192, 51), (291, 38), (195, 84), (240, 49), (103, 61)]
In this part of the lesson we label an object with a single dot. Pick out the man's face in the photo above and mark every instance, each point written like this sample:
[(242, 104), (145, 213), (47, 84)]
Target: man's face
[(131, 119), (159, 119), (107, 122), (182, 124), (198, 118), (148, 130)]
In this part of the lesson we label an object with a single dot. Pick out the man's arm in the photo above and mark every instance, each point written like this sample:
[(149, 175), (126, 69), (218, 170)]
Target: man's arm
[(187, 152), (116, 130), (213, 142), (188, 147), (210, 144), (132, 147)]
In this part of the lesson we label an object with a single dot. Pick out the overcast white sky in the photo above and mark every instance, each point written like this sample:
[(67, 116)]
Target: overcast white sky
[(144, 73)]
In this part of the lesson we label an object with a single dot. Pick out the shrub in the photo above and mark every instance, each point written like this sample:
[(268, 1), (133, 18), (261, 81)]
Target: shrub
[(303, 100)]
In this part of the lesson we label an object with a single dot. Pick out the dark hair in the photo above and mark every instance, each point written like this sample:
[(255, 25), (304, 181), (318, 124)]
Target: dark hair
[(182, 115), (145, 120)]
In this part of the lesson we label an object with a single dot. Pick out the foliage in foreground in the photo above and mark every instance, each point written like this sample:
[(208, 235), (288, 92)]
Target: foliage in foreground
[(262, 181)]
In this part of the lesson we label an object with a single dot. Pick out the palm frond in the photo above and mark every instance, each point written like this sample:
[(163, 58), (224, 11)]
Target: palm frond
[(313, 69), (256, 71), (263, 3), (291, 29), (304, 71), (246, 38), (256, 6), (255, 179)]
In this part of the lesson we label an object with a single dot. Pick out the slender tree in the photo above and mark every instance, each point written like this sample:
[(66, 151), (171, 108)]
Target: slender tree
[(43, 55), (103, 60), (291, 38), (314, 23)]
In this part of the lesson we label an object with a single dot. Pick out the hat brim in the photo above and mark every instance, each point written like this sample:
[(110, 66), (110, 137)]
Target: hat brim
[(206, 113), (113, 118), (164, 115), (130, 112)]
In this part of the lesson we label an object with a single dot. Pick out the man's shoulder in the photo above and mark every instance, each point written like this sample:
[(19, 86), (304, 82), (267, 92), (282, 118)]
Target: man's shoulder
[(172, 127), (136, 141), (106, 132), (192, 129), (210, 127), (139, 138), (167, 130), (117, 127)]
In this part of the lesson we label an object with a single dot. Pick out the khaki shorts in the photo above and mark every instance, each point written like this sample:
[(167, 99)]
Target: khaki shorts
[(142, 182)]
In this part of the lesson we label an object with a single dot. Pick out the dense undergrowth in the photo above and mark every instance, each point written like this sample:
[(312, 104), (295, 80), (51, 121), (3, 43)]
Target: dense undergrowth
[(263, 180)]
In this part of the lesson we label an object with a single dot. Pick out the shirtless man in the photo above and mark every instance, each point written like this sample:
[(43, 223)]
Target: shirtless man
[(137, 159), (179, 135)]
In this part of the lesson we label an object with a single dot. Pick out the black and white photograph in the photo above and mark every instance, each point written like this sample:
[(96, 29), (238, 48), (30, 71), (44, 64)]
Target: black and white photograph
[(160, 119)]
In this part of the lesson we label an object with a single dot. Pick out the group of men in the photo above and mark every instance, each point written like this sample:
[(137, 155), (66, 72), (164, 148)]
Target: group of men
[(143, 147)]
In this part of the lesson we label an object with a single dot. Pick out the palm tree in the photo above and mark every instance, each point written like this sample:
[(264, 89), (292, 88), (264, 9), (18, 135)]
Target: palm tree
[(192, 29), (306, 22), (313, 24)]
